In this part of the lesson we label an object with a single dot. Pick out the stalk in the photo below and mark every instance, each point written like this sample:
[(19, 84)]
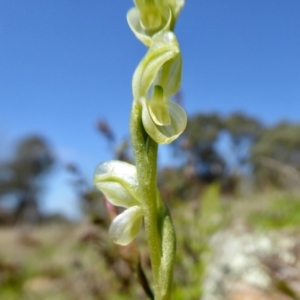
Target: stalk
[(145, 152)]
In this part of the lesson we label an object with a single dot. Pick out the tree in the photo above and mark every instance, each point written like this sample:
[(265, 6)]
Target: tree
[(22, 177), (244, 132), (276, 153), (199, 143)]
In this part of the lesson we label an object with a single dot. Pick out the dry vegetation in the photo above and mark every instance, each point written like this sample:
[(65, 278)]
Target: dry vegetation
[(78, 261)]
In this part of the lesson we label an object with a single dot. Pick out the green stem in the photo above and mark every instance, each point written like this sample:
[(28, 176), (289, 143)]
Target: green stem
[(158, 223), (145, 152)]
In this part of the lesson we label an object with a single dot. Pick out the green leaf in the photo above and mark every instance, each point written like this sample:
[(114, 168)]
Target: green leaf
[(168, 254), (117, 180), (126, 225)]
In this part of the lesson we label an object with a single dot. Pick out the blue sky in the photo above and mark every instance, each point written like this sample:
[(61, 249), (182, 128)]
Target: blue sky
[(65, 64)]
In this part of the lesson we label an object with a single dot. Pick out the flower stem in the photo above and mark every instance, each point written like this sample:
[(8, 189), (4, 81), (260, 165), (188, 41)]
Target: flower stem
[(145, 152)]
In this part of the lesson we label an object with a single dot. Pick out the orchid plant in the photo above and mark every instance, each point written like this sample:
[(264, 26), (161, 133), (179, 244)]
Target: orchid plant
[(155, 119)]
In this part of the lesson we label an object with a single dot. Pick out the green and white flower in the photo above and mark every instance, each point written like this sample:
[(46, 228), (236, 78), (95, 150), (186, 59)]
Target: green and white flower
[(118, 182), (147, 19), (151, 17), (155, 81)]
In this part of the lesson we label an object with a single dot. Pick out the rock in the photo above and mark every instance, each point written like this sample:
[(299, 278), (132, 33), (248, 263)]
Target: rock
[(238, 269)]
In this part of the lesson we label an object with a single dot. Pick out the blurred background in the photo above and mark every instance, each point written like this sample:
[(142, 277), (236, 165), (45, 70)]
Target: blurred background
[(231, 180)]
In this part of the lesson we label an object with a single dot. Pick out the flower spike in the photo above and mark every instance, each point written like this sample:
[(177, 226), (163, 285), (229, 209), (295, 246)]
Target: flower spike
[(155, 119)]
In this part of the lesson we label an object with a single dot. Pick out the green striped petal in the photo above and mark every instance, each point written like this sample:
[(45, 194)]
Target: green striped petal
[(164, 48), (149, 25), (164, 134), (125, 227), (117, 181)]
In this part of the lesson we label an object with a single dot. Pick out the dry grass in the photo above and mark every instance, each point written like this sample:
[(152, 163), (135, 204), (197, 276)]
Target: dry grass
[(79, 262)]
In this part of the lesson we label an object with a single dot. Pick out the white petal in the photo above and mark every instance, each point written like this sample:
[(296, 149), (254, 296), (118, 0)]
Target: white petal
[(133, 19), (168, 133), (159, 112), (169, 76), (126, 225), (117, 180), (157, 107), (164, 48), (134, 22)]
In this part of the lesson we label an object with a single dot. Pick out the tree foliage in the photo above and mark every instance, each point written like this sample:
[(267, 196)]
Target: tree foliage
[(22, 176), (203, 134), (268, 153), (276, 155), (199, 140), (281, 142)]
